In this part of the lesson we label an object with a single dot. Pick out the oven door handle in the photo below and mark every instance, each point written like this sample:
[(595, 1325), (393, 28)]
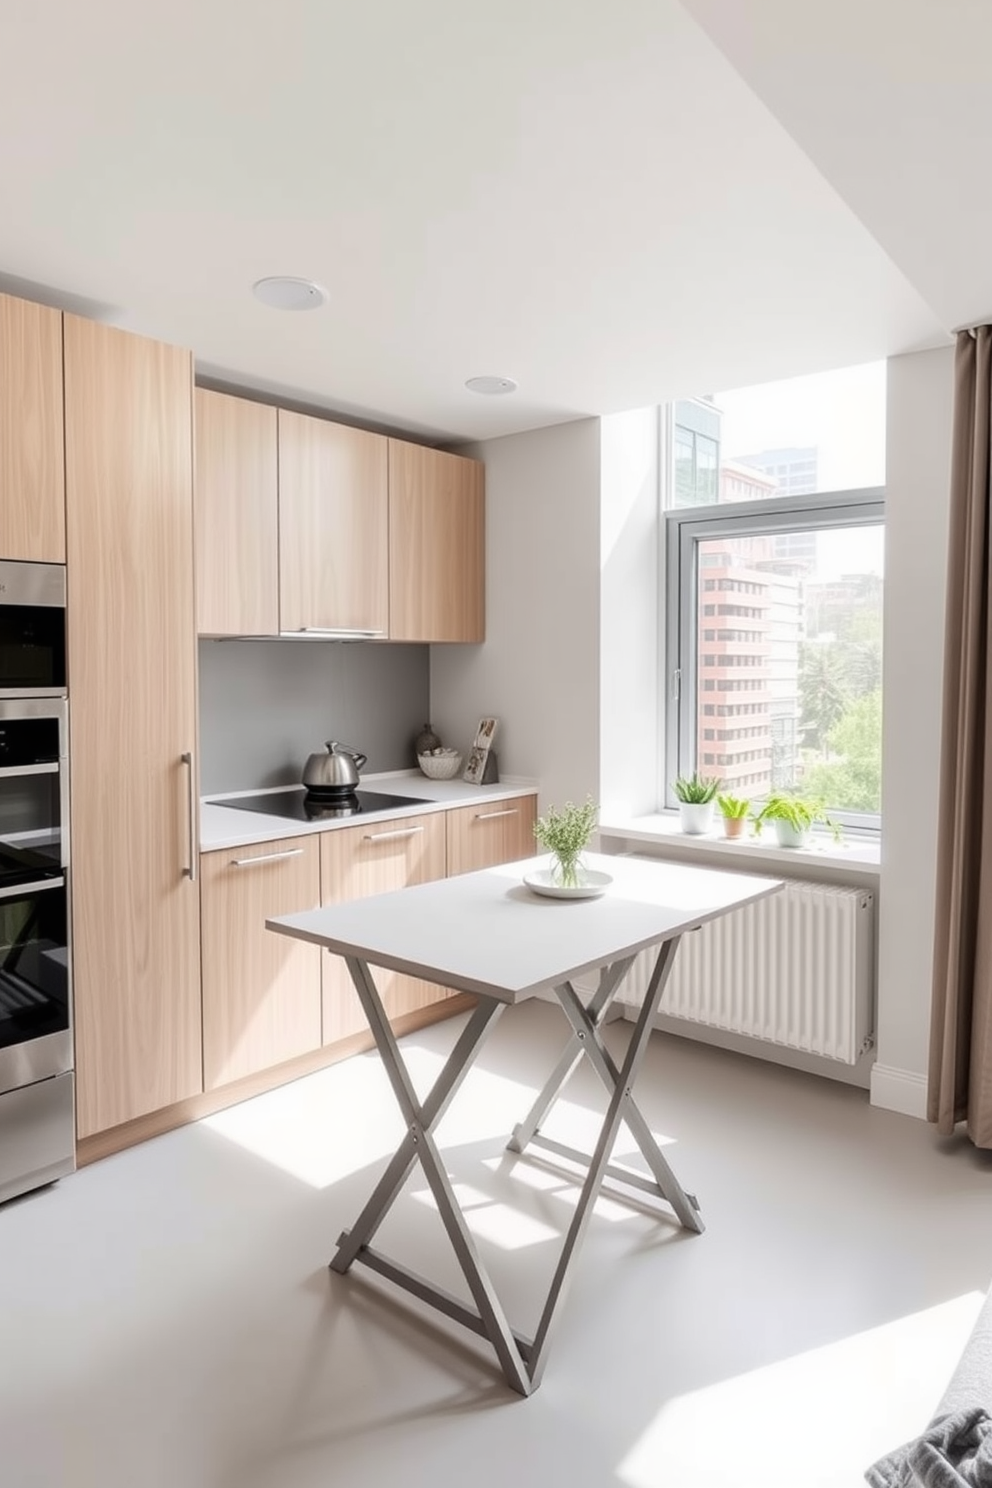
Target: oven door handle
[(11, 772), (21, 891)]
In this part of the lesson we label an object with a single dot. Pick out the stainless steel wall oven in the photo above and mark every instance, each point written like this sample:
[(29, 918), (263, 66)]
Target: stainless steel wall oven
[(36, 1080)]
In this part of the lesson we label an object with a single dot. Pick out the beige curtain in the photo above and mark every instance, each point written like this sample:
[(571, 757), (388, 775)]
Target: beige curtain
[(960, 1084)]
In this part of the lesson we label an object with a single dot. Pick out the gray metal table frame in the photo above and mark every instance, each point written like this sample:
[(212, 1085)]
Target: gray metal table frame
[(521, 1358)]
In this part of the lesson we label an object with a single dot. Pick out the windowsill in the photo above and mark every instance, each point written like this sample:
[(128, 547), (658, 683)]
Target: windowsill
[(860, 854)]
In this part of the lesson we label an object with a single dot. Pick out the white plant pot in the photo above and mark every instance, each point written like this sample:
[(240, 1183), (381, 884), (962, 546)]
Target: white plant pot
[(788, 836), (696, 818)]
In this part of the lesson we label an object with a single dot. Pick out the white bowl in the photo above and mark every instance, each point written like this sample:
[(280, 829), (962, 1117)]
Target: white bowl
[(440, 766)]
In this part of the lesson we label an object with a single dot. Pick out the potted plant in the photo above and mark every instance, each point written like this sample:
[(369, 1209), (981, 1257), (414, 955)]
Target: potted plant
[(734, 810), (695, 794), (565, 834), (793, 817)]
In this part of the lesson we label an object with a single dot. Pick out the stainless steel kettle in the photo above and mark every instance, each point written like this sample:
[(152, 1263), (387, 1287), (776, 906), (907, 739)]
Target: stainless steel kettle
[(337, 770)]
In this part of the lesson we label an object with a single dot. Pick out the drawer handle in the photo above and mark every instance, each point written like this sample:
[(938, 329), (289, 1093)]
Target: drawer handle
[(492, 815), (292, 852), (390, 836), (338, 632)]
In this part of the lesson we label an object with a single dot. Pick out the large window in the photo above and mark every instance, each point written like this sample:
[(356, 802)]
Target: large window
[(774, 613)]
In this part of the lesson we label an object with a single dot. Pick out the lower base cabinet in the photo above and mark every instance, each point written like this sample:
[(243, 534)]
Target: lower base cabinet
[(261, 992), (374, 859), (268, 1000), (490, 833)]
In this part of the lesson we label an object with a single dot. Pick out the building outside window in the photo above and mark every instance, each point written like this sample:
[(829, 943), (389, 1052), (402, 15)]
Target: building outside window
[(774, 612)]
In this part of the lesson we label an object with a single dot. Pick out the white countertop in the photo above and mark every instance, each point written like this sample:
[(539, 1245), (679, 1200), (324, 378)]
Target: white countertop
[(224, 827), (488, 933)]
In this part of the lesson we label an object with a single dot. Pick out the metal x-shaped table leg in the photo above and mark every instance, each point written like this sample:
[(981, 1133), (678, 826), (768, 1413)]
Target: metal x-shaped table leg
[(587, 1042), (522, 1359), (489, 1321)]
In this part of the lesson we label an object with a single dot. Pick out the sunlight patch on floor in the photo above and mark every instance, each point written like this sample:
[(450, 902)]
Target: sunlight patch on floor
[(815, 1420), (494, 1221), (309, 1127), (336, 1122)]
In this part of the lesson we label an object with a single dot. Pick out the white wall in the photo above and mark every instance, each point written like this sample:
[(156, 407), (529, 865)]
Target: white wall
[(631, 666), (918, 440), (539, 668)]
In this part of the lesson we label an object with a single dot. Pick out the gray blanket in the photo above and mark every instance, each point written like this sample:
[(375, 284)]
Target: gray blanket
[(955, 1451)]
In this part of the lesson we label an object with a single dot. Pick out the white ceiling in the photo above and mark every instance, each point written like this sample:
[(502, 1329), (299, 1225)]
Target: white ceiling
[(605, 202)]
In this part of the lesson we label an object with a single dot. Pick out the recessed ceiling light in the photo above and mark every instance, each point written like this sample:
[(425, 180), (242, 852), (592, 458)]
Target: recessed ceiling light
[(491, 385), (285, 292)]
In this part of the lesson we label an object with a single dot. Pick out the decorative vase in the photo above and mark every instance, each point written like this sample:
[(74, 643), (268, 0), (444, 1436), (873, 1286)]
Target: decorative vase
[(425, 741), (733, 826), (696, 817), (567, 873)]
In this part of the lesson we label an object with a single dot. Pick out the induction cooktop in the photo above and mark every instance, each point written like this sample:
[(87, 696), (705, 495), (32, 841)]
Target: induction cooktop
[(301, 805)]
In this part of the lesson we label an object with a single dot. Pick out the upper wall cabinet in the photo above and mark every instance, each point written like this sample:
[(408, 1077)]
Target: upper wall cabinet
[(237, 525), (333, 528), (436, 545), (32, 468)]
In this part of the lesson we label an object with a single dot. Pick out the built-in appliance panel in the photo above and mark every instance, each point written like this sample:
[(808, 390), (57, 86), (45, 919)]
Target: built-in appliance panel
[(36, 1135), (33, 789), (34, 981), (37, 1141), (32, 630)]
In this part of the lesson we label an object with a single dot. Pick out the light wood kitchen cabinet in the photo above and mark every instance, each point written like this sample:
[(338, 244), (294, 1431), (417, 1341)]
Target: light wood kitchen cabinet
[(490, 833), (437, 568), (236, 503), (132, 684), (333, 527), (261, 992), (32, 469), (373, 859)]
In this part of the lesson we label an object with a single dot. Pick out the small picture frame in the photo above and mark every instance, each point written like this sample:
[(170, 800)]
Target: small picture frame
[(480, 768)]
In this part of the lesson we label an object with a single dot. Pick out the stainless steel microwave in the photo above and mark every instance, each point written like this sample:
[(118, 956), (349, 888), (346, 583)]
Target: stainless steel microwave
[(32, 630)]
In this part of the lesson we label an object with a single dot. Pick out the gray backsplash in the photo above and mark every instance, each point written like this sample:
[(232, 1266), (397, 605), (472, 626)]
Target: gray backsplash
[(266, 705)]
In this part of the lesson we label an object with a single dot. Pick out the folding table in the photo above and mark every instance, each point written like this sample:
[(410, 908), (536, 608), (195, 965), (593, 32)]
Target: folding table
[(487, 933)]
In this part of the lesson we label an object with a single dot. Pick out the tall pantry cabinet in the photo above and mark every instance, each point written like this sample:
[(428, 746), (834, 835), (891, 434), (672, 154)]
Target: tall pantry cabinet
[(132, 692)]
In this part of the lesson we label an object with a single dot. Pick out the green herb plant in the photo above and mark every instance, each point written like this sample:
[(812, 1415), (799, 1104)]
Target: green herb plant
[(565, 834), (799, 812), (736, 807), (695, 789)]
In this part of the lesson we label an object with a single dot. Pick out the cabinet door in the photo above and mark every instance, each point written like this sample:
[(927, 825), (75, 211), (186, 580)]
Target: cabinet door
[(491, 833), (261, 992), (132, 719), (32, 469), (373, 859), (437, 568), (333, 527), (236, 501)]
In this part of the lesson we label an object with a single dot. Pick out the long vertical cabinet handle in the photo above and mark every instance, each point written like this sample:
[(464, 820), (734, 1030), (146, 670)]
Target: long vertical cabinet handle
[(190, 871)]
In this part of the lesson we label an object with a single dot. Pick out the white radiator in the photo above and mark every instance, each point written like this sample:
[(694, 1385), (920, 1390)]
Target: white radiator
[(796, 969)]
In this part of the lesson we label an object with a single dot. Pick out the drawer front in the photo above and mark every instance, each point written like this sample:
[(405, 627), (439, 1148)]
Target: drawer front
[(491, 833), (375, 858), (261, 991)]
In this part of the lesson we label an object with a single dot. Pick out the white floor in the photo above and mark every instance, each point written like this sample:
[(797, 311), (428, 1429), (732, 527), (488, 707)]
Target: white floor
[(167, 1318)]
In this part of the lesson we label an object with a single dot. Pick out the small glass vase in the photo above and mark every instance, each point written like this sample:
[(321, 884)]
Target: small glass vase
[(568, 873)]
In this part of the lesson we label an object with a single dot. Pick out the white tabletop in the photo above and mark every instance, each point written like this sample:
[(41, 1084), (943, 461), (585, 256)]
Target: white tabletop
[(488, 933)]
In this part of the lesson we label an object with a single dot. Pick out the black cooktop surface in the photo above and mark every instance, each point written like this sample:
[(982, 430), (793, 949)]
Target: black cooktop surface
[(301, 805)]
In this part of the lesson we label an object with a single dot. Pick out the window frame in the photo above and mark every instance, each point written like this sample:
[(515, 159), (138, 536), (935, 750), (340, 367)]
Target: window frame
[(686, 526)]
